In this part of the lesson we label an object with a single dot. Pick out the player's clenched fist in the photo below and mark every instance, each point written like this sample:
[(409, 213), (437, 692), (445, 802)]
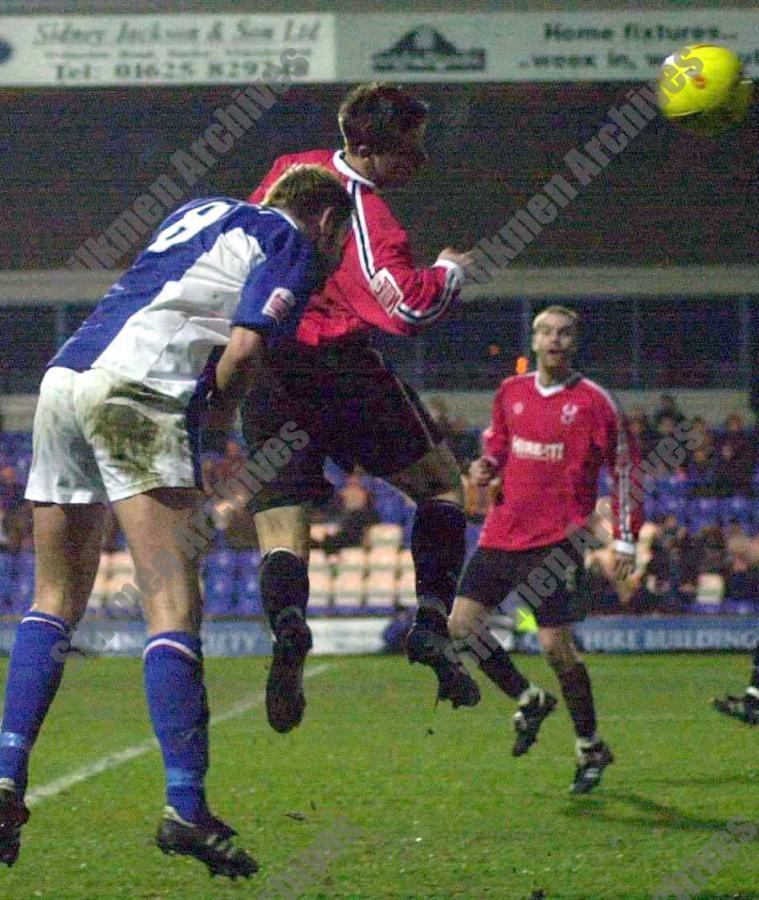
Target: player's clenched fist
[(448, 254)]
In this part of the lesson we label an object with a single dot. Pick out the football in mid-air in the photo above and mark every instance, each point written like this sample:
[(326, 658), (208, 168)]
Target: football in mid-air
[(702, 87)]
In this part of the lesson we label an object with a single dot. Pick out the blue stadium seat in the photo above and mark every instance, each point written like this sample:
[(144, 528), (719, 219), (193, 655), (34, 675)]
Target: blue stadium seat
[(23, 464), (649, 507), (740, 607), (672, 486), (697, 523), (22, 593), (6, 579), (705, 609), (219, 594), (25, 563), (739, 509), (17, 440), (220, 561), (249, 602), (704, 510), (7, 565), (248, 561), (673, 506)]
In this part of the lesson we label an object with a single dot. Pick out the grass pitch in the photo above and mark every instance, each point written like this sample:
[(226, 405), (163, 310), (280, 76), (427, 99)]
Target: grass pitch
[(379, 795)]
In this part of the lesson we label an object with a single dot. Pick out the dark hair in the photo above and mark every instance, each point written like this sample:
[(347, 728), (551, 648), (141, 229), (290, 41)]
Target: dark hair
[(374, 114), (307, 191)]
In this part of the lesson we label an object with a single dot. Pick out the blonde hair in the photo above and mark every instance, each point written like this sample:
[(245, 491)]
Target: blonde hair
[(306, 191), (556, 309)]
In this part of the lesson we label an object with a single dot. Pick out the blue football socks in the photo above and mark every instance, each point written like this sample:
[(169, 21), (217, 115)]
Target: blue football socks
[(36, 668), (179, 712)]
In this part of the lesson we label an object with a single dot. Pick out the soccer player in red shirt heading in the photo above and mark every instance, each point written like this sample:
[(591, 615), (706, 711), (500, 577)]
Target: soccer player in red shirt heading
[(552, 430), (338, 389)]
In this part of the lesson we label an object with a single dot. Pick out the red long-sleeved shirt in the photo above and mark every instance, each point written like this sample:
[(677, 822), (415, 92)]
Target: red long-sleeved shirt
[(549, 445), (376, 284)]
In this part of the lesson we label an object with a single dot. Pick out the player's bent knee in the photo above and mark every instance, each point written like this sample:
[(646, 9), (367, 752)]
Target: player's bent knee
[(285, 527), (436, 476), (559, 649)]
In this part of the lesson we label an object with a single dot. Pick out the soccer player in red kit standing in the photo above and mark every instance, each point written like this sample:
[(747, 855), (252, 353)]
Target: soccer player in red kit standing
[(551, 431), (336, 387)]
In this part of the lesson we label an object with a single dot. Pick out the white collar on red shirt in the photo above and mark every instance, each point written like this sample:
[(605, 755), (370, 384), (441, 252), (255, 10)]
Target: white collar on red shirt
[(338, 161), (552, 389)]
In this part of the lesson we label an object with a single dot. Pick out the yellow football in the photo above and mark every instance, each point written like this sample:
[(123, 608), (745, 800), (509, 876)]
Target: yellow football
[(702, 87)]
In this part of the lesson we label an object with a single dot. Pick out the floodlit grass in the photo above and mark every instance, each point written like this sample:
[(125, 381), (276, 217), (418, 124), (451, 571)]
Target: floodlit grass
[(379, 795)]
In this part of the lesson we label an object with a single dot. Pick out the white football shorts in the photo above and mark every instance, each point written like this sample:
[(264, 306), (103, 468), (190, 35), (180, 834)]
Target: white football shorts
[(98, 437)]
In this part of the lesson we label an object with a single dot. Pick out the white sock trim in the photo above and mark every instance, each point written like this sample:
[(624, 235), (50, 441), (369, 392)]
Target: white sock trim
[(586, 743), (32, 618), (529, 694), (167, 642)]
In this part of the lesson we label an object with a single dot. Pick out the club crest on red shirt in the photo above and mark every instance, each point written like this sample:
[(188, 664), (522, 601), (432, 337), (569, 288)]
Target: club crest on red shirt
[(568, 413)]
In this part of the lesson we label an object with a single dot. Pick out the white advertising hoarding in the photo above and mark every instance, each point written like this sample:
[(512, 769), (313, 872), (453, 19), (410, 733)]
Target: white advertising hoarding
[(133, 50), (601, 45)]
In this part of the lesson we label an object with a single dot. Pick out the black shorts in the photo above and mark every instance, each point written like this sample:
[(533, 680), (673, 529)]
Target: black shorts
[(351, 407), (550, 579)]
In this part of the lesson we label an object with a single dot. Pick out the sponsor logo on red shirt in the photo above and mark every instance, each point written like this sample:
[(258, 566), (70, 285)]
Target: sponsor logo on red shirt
[(537, 450), (385, 289)]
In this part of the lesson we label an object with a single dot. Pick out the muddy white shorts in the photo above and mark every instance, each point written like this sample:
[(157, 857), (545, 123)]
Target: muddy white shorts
[(98, 437)]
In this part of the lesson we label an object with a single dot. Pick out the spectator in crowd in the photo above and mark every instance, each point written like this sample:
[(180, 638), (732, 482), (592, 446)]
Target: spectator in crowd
[(640, 426), (665, 427), (702, 458), (734, 466), (667, 409), (743, 563), (355, 513), (705, 553)]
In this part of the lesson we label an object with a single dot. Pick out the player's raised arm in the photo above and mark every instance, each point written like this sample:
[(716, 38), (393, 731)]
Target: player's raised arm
[(406, 298)]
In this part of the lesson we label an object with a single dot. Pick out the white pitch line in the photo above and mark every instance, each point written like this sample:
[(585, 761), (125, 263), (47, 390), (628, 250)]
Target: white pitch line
[(112, 760)]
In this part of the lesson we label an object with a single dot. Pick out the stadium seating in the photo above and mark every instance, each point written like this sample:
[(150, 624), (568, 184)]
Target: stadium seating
[(370, 579), (220, 593), (386, 534), (380, 587), (671, 505), (406, 580), (320, 582), (738, 509)]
